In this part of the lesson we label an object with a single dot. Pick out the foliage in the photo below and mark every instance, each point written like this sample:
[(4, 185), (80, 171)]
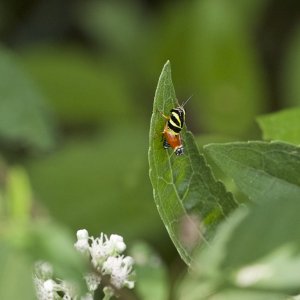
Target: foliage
[(253, 253), (76, 89), (184, 189)]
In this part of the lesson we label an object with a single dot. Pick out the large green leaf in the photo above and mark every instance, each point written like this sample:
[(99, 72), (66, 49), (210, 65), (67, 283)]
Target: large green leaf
[(189, 199), (283, 125), (263, 171)]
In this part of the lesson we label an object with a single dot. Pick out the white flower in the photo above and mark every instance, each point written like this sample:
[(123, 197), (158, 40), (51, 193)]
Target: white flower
[(119, 268), (115, 245), (43, 270), (103, 247), (82, 234), (105, 255), (112, 263), (129, 284), (45, 289), (92, 281), (82, 244), (69, 289), (39, 287), (98, 251), (49, 285), (128, 260)]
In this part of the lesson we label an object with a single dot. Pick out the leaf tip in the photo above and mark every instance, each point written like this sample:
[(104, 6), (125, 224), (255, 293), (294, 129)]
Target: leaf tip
[(167, 65)]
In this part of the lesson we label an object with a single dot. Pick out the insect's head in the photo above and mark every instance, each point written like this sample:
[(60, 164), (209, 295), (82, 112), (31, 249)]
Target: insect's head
[(180, 109), (179, 151)]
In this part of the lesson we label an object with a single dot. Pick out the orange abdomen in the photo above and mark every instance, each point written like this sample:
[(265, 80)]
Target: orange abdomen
[(172, 139)]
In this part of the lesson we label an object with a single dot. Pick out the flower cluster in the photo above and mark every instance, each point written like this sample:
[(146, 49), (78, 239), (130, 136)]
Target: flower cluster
[(107, 260), (50, 289)]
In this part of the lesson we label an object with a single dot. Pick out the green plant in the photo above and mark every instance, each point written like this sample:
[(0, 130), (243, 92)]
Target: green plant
[(234, 251)]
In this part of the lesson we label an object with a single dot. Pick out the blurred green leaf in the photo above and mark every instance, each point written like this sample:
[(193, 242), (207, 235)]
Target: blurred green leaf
[(15, 274), (231, 294), (151, 273), (263, 171), (202, 141), (50, 242), (80, 88), (22, 245), (201, 290), (255, 250), (24, 119), (100, 183), (283, 125), (42, 241), (19, 194), (188, 198), (291, 70)]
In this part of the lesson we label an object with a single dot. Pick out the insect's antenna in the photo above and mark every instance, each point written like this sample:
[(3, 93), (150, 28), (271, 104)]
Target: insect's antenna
[(186, 101), (171, 154)]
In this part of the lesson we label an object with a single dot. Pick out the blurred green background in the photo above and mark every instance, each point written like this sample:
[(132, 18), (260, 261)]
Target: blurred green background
[(77, 81)]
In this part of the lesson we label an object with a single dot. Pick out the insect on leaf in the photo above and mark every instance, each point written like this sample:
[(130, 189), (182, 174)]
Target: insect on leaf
[(188, 198)]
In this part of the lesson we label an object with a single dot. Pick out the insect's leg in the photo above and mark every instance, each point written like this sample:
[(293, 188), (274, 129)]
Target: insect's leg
[(166, 145), (164, 116), (173, 152)]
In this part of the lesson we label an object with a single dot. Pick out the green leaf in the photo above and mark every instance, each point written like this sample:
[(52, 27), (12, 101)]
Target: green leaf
[(107, 162), (255, 250), (151, 274), (283, 125), (263, 171), (189, 199), (24, 118)]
